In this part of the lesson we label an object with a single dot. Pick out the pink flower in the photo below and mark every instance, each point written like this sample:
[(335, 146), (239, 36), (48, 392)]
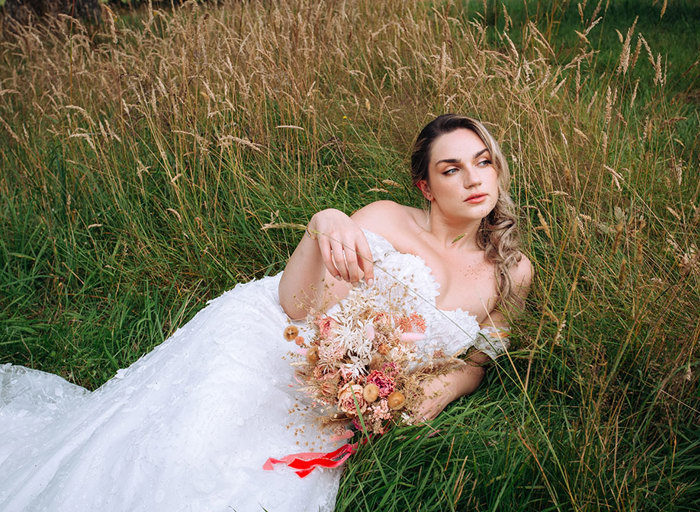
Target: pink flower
[(417, 322), (411, 323), (382, 381), (404, 323), (380, 410), (347, 396), (391, 369), (325, 326), (410, 338)]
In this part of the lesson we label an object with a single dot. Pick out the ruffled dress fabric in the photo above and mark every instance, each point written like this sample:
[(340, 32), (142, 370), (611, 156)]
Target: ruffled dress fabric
[(188, 426)]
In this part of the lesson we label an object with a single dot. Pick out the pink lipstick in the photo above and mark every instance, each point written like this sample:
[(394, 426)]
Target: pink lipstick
[(476, 198)]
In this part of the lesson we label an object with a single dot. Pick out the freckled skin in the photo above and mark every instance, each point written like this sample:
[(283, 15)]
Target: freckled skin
[(465, 280), (459, 167)]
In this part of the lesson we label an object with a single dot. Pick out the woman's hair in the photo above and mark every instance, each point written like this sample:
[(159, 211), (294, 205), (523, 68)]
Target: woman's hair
[(498, 232)]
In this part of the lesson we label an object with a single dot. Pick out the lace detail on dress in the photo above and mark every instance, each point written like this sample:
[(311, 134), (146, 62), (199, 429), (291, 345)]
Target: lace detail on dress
[(379, 245), (492, 341), (451, 331)]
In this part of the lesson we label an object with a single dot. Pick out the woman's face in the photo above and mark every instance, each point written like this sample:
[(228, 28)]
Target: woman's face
[(460, 168)]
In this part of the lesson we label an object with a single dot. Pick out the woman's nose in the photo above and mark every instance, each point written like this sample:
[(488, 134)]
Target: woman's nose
[(472, 177)]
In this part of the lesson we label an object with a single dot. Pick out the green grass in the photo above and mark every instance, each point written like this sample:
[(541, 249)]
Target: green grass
[(127, 205)]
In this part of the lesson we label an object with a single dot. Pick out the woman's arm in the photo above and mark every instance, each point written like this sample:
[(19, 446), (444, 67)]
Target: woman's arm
[(332, 253), (440, 391)]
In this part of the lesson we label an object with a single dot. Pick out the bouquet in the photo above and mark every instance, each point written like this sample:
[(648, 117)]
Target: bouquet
[(362, 363)]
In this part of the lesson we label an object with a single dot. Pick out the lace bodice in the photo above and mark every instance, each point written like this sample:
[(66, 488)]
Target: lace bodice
[(408, 276)]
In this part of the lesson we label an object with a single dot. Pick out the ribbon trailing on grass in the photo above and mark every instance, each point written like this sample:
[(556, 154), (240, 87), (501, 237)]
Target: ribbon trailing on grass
[(305, 462)]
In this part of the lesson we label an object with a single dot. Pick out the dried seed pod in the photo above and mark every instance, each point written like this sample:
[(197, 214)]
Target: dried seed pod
[(312, 355), (383, 349), (299, 340), (291, 332), (396, 400), (376, 362), (371, 392)]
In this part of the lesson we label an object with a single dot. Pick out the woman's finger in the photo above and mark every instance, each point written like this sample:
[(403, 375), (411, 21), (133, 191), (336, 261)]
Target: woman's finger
[(325, 247), (351, 258), (338, 256), (364, 257)]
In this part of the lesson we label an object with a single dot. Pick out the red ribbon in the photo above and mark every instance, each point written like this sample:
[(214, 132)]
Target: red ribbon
[(305, 462)]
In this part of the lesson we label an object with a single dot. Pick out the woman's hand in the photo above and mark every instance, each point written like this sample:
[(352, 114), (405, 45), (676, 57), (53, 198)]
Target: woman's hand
[(441, 390), (333, 251), (343, 246), (438, 395)]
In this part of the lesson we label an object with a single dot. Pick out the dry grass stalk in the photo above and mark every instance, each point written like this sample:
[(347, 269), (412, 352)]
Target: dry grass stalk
[(249, 104)]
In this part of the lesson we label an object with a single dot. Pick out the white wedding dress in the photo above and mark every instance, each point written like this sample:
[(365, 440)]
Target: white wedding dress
[(189, 425)]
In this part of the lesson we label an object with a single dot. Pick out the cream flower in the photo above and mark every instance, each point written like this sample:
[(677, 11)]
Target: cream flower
[(348, 396)]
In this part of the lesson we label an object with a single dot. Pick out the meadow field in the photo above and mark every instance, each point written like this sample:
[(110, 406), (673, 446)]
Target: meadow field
[(153, 162)]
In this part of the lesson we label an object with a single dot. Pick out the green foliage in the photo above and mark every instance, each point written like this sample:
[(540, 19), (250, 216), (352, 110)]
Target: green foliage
[(144, 168)]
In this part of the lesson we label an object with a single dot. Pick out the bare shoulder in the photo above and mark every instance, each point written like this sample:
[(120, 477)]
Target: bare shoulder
[(383, 207), (383, 217), (521, 274), (521, 277)]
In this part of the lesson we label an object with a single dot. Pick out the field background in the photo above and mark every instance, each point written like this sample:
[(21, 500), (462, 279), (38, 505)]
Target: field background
[(141, 161)]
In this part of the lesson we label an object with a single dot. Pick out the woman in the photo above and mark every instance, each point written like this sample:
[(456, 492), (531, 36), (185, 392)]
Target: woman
[(189, 426)]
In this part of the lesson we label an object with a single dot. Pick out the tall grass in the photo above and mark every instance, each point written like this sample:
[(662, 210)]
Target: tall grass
[(141, 163)]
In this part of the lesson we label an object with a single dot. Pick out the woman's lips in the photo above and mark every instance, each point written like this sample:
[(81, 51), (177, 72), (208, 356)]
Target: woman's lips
[(477, 199)]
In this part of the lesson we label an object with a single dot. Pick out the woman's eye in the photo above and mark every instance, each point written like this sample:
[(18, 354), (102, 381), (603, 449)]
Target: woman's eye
[(485, 163), (450, 171)]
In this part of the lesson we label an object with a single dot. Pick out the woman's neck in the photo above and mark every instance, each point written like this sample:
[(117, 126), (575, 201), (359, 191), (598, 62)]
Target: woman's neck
[(450, 234)]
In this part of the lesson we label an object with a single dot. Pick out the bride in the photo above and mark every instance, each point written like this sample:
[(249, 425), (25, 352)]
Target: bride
[(190, 425)]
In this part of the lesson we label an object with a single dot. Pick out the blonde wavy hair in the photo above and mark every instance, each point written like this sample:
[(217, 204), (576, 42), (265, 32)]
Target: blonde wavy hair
[(498, 232)]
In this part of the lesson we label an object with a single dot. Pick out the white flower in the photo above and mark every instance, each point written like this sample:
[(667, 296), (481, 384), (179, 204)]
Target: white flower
[(357, 301), (407, 419), (358, 366), (354, 339)]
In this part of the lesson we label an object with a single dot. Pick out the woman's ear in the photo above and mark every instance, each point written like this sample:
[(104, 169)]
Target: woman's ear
[(425, 188)]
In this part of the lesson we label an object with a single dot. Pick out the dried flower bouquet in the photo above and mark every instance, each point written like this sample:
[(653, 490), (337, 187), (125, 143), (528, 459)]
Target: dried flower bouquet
[(363, 363)]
